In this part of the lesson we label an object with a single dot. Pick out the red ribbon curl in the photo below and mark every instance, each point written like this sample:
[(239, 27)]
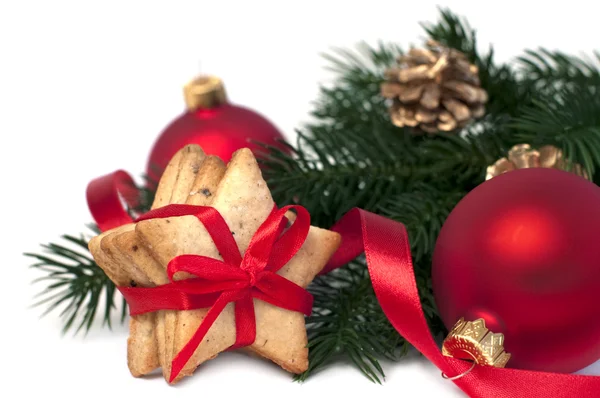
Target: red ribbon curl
[(105, 196), (387, 251)]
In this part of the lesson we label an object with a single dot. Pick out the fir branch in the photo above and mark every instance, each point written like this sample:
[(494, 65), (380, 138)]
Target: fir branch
[(348, 322), (454, 32), (363, 67), (340, 170), (548, 72), (330, 189), (423, 211), (75, 283), (569, 120)]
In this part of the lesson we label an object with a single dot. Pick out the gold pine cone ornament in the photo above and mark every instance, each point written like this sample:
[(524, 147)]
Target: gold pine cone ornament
[(434, 89)]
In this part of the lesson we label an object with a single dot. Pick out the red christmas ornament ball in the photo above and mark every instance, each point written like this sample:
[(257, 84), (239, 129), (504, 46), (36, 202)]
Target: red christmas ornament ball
[(521, 251), (210, 121)]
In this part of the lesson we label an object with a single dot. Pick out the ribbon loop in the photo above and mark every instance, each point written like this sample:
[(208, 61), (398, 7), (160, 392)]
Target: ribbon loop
[(213, 222), (105, 196), (288, 244), (283, 293)]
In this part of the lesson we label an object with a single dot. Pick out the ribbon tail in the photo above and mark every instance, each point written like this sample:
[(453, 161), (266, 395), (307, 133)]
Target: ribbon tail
[(389, 261), (245, 322), (386, 247), (283, 293), (188, 350)]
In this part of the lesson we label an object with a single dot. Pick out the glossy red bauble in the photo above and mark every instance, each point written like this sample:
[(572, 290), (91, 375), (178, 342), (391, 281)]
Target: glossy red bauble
[(211, 121), (522, 251)]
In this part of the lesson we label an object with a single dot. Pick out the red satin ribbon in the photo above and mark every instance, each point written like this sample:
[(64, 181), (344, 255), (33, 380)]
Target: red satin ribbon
[(105, 195), (385, 244), (386, 247), (235, 279)]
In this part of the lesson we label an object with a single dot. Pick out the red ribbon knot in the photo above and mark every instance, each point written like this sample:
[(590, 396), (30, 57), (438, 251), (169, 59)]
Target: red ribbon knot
[(234, 279)]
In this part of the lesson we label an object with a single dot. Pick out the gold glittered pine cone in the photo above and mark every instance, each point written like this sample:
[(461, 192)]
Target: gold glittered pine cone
[(434, 89), (522, 156)]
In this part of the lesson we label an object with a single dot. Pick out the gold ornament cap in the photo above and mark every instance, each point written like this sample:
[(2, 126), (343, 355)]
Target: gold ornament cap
[(204, 92), (523, 156), (473, 341)]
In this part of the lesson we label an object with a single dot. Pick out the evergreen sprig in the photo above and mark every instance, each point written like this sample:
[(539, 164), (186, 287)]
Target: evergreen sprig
[(422, 210), (570, 121), (74, 282), (351, 155), (350, 323), (549, 71)]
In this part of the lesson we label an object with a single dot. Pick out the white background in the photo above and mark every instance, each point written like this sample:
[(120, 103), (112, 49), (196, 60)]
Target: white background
[(85, 88)]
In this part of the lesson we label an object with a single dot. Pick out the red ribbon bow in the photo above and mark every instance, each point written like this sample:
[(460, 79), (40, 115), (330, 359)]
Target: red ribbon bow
[(235, 279), (386, 247)]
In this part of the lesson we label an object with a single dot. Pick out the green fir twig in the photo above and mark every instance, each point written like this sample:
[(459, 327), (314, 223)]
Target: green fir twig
[(74, 283), (348, 322)]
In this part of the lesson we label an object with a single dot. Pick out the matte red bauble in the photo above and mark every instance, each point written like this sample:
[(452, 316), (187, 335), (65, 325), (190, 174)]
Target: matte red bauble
[(522, 251), (210, 121)]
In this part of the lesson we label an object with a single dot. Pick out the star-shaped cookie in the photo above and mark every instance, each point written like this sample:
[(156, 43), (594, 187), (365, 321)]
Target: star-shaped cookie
[(244, 200)]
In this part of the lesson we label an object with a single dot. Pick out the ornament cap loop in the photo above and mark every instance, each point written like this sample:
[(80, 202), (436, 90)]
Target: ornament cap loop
[(204, 92), (472, 340), (459, 376)]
